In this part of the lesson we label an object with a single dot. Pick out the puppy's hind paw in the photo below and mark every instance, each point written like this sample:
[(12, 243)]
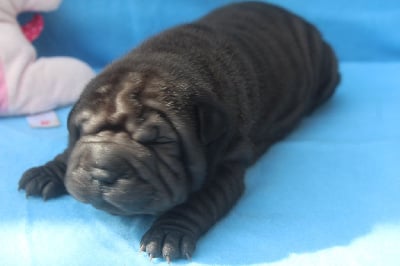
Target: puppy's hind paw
[(39, 181)]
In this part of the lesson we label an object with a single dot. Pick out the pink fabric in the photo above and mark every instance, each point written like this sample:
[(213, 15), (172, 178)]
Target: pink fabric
[(33, 28), (3, 90)]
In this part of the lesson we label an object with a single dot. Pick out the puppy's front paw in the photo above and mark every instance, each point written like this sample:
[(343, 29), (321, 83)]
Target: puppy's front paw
[(40, 181), (169, 243)]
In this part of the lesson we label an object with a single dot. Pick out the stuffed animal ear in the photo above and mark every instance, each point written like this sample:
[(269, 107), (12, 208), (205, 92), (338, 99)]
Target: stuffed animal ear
[(212, 121)]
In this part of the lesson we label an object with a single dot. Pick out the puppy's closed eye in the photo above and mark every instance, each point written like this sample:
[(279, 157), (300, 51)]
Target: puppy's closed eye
[(151, 136)]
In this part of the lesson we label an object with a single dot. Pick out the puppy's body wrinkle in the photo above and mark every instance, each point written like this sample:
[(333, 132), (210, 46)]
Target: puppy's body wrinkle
[(244, 68), (190, 110)]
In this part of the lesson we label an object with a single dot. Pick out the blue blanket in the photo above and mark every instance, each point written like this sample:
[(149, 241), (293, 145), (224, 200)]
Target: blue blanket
[(327, 195)]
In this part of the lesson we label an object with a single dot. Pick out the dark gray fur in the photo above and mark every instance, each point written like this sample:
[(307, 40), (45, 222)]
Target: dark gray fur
[(170, 128)]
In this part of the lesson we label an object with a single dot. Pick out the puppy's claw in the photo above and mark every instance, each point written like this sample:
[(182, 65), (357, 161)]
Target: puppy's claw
[(151, 257), (168, 259)]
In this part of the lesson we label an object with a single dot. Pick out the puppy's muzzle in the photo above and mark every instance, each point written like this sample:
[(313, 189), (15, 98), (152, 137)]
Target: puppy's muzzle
[(113, 176)]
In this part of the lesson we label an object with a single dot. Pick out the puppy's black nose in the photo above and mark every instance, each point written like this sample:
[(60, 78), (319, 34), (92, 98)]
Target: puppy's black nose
[(103, 163)]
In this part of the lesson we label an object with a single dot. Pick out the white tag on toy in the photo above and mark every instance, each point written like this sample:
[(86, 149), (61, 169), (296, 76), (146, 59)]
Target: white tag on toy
[(42, 120)]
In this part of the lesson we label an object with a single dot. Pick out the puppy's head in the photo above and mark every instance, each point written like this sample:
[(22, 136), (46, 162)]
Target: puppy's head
[(130, 152)]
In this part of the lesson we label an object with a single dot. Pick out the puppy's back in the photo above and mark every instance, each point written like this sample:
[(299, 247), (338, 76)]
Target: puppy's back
[(280, 67), (266, 66)]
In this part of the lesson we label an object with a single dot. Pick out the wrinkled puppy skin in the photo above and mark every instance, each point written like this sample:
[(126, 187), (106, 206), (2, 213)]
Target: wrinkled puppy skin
[(171, 128)]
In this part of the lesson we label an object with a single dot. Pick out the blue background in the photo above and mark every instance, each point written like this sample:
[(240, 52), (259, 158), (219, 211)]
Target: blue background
[(98, 31), (327, 195)]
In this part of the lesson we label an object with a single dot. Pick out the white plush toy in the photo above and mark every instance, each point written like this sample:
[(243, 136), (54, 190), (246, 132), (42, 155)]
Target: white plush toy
[(29, 84)]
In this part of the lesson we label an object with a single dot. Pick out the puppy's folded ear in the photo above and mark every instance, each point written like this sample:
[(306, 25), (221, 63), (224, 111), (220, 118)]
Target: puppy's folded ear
[(212, 120)]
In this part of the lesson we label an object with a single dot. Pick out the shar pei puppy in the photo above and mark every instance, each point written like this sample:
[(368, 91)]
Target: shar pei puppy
[(170, 128)]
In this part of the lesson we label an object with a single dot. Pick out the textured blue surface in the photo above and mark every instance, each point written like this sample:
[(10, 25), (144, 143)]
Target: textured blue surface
[(326, 195)]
